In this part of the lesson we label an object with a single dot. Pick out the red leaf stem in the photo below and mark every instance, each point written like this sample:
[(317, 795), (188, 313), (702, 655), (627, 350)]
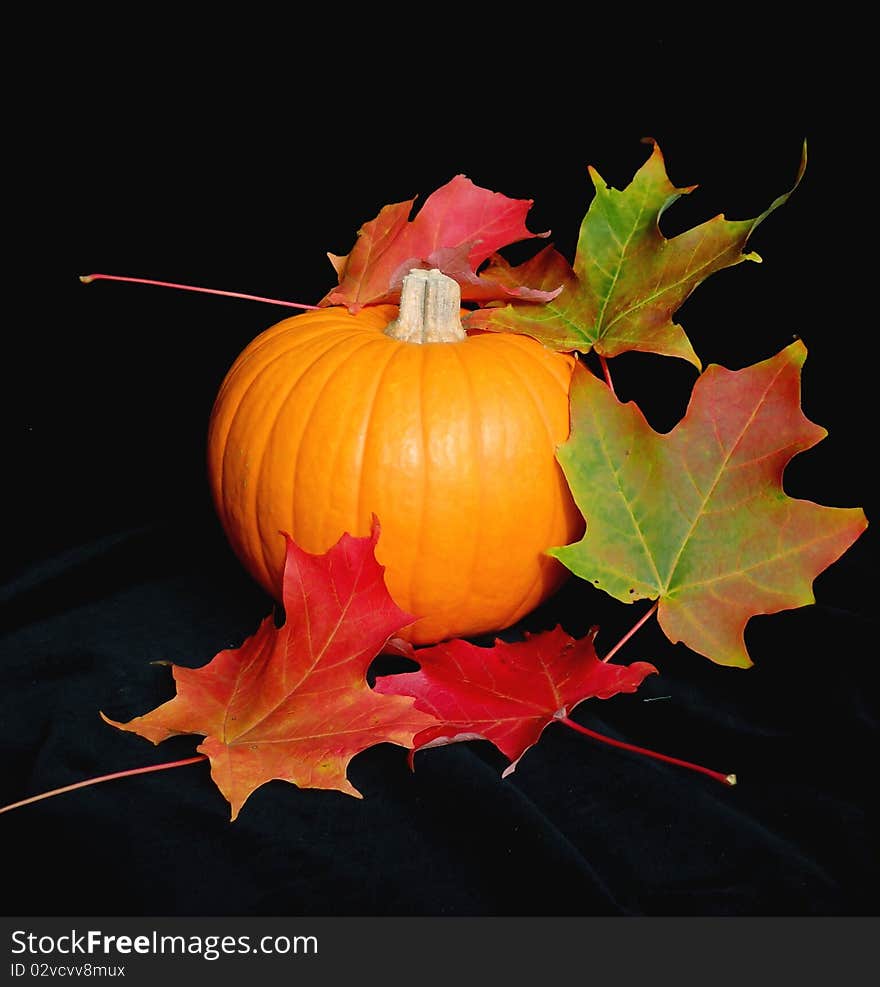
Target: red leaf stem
[(725, 779), (607, 372), (88, 278), (631, 631), (96, 781)]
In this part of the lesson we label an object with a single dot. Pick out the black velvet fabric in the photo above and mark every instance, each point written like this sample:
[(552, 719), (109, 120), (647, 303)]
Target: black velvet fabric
[(578, 829), (114, 563)]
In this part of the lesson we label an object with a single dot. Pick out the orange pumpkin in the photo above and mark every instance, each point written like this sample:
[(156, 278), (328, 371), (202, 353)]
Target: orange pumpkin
[(328, 418)]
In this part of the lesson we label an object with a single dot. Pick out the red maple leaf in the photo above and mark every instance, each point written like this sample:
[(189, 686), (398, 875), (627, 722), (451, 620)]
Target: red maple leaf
[(508, 693), (459, 227), (293, 703)]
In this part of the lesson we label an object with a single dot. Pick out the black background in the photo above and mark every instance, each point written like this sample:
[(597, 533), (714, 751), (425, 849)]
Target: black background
[(236, 157)]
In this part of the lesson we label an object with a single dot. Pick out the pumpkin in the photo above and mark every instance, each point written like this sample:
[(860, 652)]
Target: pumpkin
[(329, 418)]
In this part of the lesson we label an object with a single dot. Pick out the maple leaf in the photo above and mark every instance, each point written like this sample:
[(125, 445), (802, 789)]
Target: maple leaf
[(698, 517), (508, 693), (293, 703), (627, 280), (459, 226)]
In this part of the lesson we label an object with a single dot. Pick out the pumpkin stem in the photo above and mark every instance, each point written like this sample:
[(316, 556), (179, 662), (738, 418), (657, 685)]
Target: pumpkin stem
[(430, 303)]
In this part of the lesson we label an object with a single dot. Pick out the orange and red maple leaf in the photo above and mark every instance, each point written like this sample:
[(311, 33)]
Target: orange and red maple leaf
[(293, 703)]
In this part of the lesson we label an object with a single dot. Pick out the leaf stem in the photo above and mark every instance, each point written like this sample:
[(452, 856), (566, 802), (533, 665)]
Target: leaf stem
[(645, 616), (607, 372), (88, 278), (725, 779), (95, 781)]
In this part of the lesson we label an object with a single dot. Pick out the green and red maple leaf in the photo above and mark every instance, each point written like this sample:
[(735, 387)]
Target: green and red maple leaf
[(697, 518), (627, 280)]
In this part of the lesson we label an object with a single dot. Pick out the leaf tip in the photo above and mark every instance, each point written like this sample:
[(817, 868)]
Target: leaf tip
[(339, 262), (803, 164), (510, 769), (375, 528), (596, 178), (730, 780), (796, 352), (656, 153)]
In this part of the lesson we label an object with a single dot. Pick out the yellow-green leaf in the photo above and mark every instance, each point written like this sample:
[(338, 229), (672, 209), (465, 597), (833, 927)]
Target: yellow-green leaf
[(627, 280)]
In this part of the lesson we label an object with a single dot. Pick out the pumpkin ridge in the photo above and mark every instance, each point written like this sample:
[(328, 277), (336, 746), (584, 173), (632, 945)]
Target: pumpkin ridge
[(259, 444), (516, 363), (413, 569), (476, 431), (550, 519), (515, 613), (257, 453), (368, 425), (223, 441), (333, 351), (306, 324), (502, 355), (504, 358)]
